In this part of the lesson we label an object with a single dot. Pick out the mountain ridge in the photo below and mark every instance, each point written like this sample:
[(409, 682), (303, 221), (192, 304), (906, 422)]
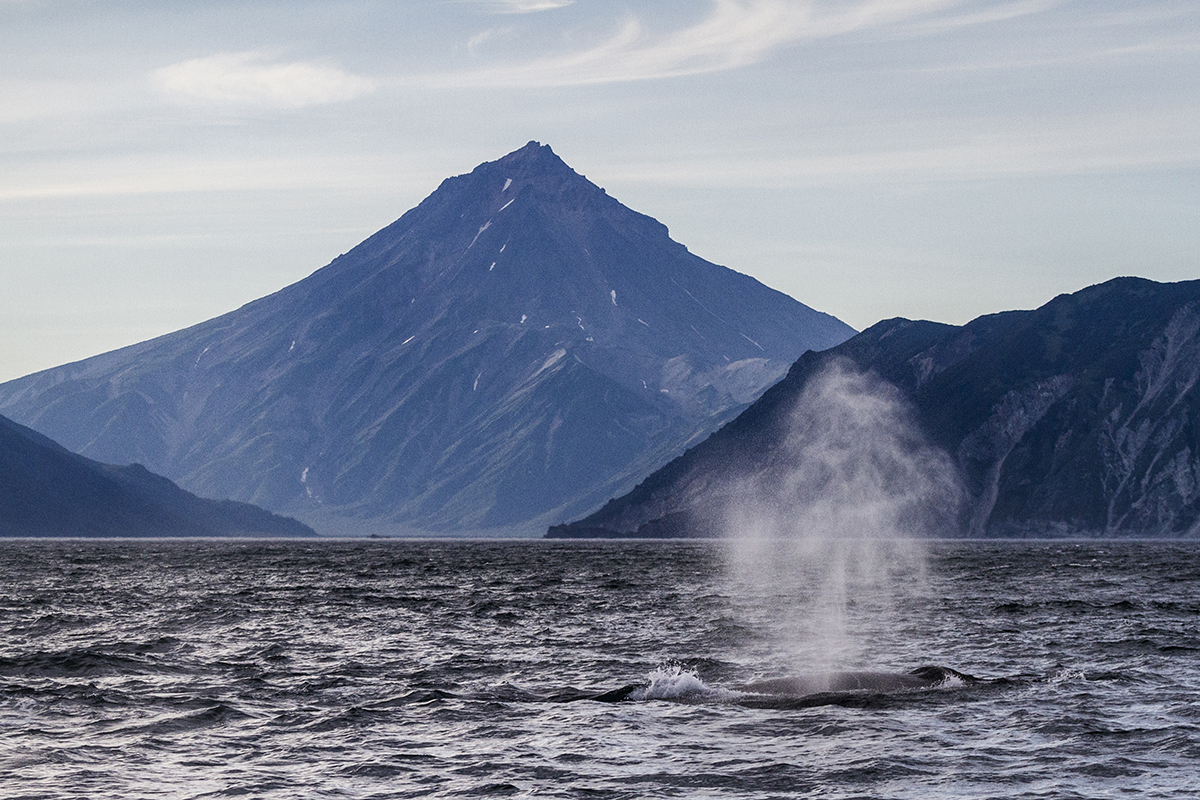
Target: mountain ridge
[(1081, 417), (46, 490)]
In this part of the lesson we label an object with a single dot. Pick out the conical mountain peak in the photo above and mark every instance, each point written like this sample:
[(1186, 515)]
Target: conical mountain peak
[(535, 171), (522, 232), (533, 157), (519, 346)]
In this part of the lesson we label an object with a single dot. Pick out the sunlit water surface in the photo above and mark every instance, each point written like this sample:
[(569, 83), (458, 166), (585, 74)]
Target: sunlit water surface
[(390, 669)]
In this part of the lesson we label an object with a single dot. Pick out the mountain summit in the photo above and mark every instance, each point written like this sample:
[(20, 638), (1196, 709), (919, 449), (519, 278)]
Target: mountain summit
[(514, 350)]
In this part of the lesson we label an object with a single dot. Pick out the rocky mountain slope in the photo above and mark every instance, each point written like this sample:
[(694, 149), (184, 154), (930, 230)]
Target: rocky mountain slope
[(1079, 418), (46, 490), (511, 352)]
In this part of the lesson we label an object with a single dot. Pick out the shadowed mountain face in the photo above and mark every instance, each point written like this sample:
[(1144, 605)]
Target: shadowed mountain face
[(1079, 418), (512, 351), (45, 490)]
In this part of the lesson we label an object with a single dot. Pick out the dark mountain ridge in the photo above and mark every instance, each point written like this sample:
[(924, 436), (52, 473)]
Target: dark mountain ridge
[(1081, 417), (514, 350), (46, 490)]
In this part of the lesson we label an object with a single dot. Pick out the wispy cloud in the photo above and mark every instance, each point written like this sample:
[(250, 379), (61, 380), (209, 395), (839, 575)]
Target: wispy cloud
[(523, 6), (1160, 47), (735, 33), (185, 173), (481, 38), (251, 80), (1047, 147), (999, 12)]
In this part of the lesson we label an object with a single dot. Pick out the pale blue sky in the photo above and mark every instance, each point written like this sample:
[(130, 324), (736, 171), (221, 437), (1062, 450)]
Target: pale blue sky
[(164, 162)]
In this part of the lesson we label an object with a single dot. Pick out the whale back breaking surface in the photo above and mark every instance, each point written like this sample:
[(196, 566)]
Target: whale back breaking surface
[(860, 681)]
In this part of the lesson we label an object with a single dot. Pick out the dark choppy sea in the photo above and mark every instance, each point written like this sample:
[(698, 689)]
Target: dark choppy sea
[(391, 669)]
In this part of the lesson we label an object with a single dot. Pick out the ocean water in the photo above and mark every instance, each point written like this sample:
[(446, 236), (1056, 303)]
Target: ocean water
[(393, 669)]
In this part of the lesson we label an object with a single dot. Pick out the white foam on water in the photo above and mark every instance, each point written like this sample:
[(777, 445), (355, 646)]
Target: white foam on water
[(673, 682), (1067, 676), (951, 681)]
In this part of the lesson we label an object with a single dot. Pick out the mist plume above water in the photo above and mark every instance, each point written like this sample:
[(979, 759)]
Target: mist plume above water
[(831, 526), (854, 464)]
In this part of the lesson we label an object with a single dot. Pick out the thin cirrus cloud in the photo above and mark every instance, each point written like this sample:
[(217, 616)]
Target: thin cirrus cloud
[(523, 6), (1068, 146), (997, 13), (735, 33), (250, 80)]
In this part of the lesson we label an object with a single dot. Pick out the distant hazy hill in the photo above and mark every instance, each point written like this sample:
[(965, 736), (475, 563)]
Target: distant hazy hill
[(511, 352), (1082, 417), (46, 490)]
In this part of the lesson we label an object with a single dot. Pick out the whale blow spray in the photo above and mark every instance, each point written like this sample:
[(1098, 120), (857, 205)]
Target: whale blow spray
[(830, 528)]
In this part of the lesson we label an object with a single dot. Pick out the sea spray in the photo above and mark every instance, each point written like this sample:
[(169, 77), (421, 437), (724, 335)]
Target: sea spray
[(830, 528), (676, 682)]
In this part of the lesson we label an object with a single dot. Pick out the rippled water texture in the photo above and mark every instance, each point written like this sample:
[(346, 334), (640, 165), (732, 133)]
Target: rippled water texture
[(390, 669)]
